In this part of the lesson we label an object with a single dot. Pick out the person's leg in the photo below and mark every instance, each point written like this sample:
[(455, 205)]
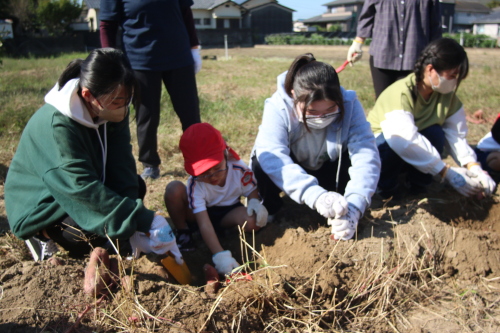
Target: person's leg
[(327, 174), (181, 86), (71, 237), (418, 180), (78, 242), (239, 216), (148, 117), (269, 192), (392, 165), (176, 201), (382, 78)]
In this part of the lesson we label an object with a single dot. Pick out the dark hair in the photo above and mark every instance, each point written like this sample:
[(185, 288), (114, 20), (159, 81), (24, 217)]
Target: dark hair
[(443, 54), (102, 72), (313, 81)]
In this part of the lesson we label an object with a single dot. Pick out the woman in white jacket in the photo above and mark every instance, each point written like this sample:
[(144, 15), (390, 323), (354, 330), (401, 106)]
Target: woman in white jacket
[(315, 144), (415, 117)]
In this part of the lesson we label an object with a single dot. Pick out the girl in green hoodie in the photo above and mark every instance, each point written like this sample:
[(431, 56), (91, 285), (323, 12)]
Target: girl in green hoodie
[(73, 179)]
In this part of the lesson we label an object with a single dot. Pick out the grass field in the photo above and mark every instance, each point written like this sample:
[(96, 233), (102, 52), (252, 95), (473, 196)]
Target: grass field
[(396, 265)]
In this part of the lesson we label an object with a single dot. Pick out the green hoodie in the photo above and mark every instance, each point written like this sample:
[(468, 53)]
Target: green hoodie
[(58, 170)]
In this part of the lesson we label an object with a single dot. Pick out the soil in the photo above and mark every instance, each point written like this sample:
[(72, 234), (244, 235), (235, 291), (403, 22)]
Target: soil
[(446, 247)]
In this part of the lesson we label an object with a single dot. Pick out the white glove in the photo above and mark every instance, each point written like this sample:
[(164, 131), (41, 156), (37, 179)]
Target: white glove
[(355, 48), (331, 205), (140, 243), (464, 181), (345, 227), (197, 60), (254, 206), (224, 262), (484, 179), (162, 239)]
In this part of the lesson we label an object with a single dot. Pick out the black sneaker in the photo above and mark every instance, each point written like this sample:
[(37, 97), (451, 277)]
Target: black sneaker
[(41, 249), (185, 240)]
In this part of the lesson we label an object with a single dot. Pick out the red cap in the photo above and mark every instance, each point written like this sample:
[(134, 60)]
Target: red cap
[(203, 148)]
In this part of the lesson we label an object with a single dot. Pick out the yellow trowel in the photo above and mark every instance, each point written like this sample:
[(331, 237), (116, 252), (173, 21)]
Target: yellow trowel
[(180, 273)]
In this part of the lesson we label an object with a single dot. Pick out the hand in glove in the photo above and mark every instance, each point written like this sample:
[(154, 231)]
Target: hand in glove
[(355, 53), (197, 60), (345, 227), (487, 183), (224, 262), (140, 244), (254, 206), (331, 205), (162, 239), (462, 180)]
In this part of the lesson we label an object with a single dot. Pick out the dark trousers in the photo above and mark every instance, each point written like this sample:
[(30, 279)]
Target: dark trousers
[(78, 242), (326, 176), (393, 165), (382, 78), (181, 86)]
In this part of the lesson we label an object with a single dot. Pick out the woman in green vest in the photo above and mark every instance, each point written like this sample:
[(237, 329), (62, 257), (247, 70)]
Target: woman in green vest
[(416, 117)]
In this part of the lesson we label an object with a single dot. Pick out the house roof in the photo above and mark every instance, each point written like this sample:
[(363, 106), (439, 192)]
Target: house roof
[(343, 2), (94, 4), (492, 18), (209, 4), (267, 4), (471, 7), (328, 18)]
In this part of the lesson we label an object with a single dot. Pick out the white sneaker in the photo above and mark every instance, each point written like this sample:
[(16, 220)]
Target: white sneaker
[(41, 250)]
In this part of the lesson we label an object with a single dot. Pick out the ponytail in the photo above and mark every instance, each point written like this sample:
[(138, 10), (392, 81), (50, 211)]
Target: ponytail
[(297, 64), (72, 71)]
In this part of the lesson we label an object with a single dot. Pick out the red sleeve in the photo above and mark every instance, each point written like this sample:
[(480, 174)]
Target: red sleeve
[(187, 15), (108, 31)]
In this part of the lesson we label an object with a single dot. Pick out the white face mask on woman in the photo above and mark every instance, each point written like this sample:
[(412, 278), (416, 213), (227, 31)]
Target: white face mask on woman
[(445, 86), (319, 122)]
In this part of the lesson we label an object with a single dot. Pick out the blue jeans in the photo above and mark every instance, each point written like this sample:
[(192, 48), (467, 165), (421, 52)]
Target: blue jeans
[(393, 165)]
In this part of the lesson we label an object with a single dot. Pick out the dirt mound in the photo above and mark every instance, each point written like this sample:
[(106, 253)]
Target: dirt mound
[(429, 264)]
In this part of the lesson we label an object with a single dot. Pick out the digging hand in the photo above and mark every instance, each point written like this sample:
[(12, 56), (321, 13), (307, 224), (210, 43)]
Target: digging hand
[(487, 183), (254, 206), (224, 262), (162, 239), (140, 244), (331, 205), (345, 227), (463, 181), (355, 53)]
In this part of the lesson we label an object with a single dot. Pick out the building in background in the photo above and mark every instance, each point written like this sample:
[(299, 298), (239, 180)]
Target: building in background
[(341, 15), (488, 25), (466, 12)]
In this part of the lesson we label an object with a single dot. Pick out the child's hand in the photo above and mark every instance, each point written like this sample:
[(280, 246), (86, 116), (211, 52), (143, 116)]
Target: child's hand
[(254, 206), (224, 262)]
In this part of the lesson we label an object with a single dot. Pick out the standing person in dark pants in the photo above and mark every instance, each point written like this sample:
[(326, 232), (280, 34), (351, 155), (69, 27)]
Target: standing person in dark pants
[(400, 30), (160, 41)]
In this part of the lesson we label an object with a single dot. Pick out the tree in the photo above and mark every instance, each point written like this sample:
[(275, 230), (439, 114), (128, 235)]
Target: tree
[(493, 4), (57, 15)]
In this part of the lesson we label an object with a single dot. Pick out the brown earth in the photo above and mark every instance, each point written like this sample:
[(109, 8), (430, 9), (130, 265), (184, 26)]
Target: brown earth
[(427, 264)]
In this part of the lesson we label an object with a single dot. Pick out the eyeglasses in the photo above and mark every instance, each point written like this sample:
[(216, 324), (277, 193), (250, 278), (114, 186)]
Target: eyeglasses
[(324, 116), (213, 174)]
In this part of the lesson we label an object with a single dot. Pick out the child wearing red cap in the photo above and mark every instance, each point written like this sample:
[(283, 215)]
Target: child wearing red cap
[(212, 195)]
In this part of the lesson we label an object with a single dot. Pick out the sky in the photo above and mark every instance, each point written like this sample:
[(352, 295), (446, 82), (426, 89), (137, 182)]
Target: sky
[(305, 8)]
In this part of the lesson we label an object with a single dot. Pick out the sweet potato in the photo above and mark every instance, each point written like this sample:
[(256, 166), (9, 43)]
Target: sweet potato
[(97, 272), (212, 278)]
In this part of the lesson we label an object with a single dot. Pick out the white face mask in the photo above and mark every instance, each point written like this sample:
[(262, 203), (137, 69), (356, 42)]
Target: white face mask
[(320, 122), (444, 86), (115, 115)]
